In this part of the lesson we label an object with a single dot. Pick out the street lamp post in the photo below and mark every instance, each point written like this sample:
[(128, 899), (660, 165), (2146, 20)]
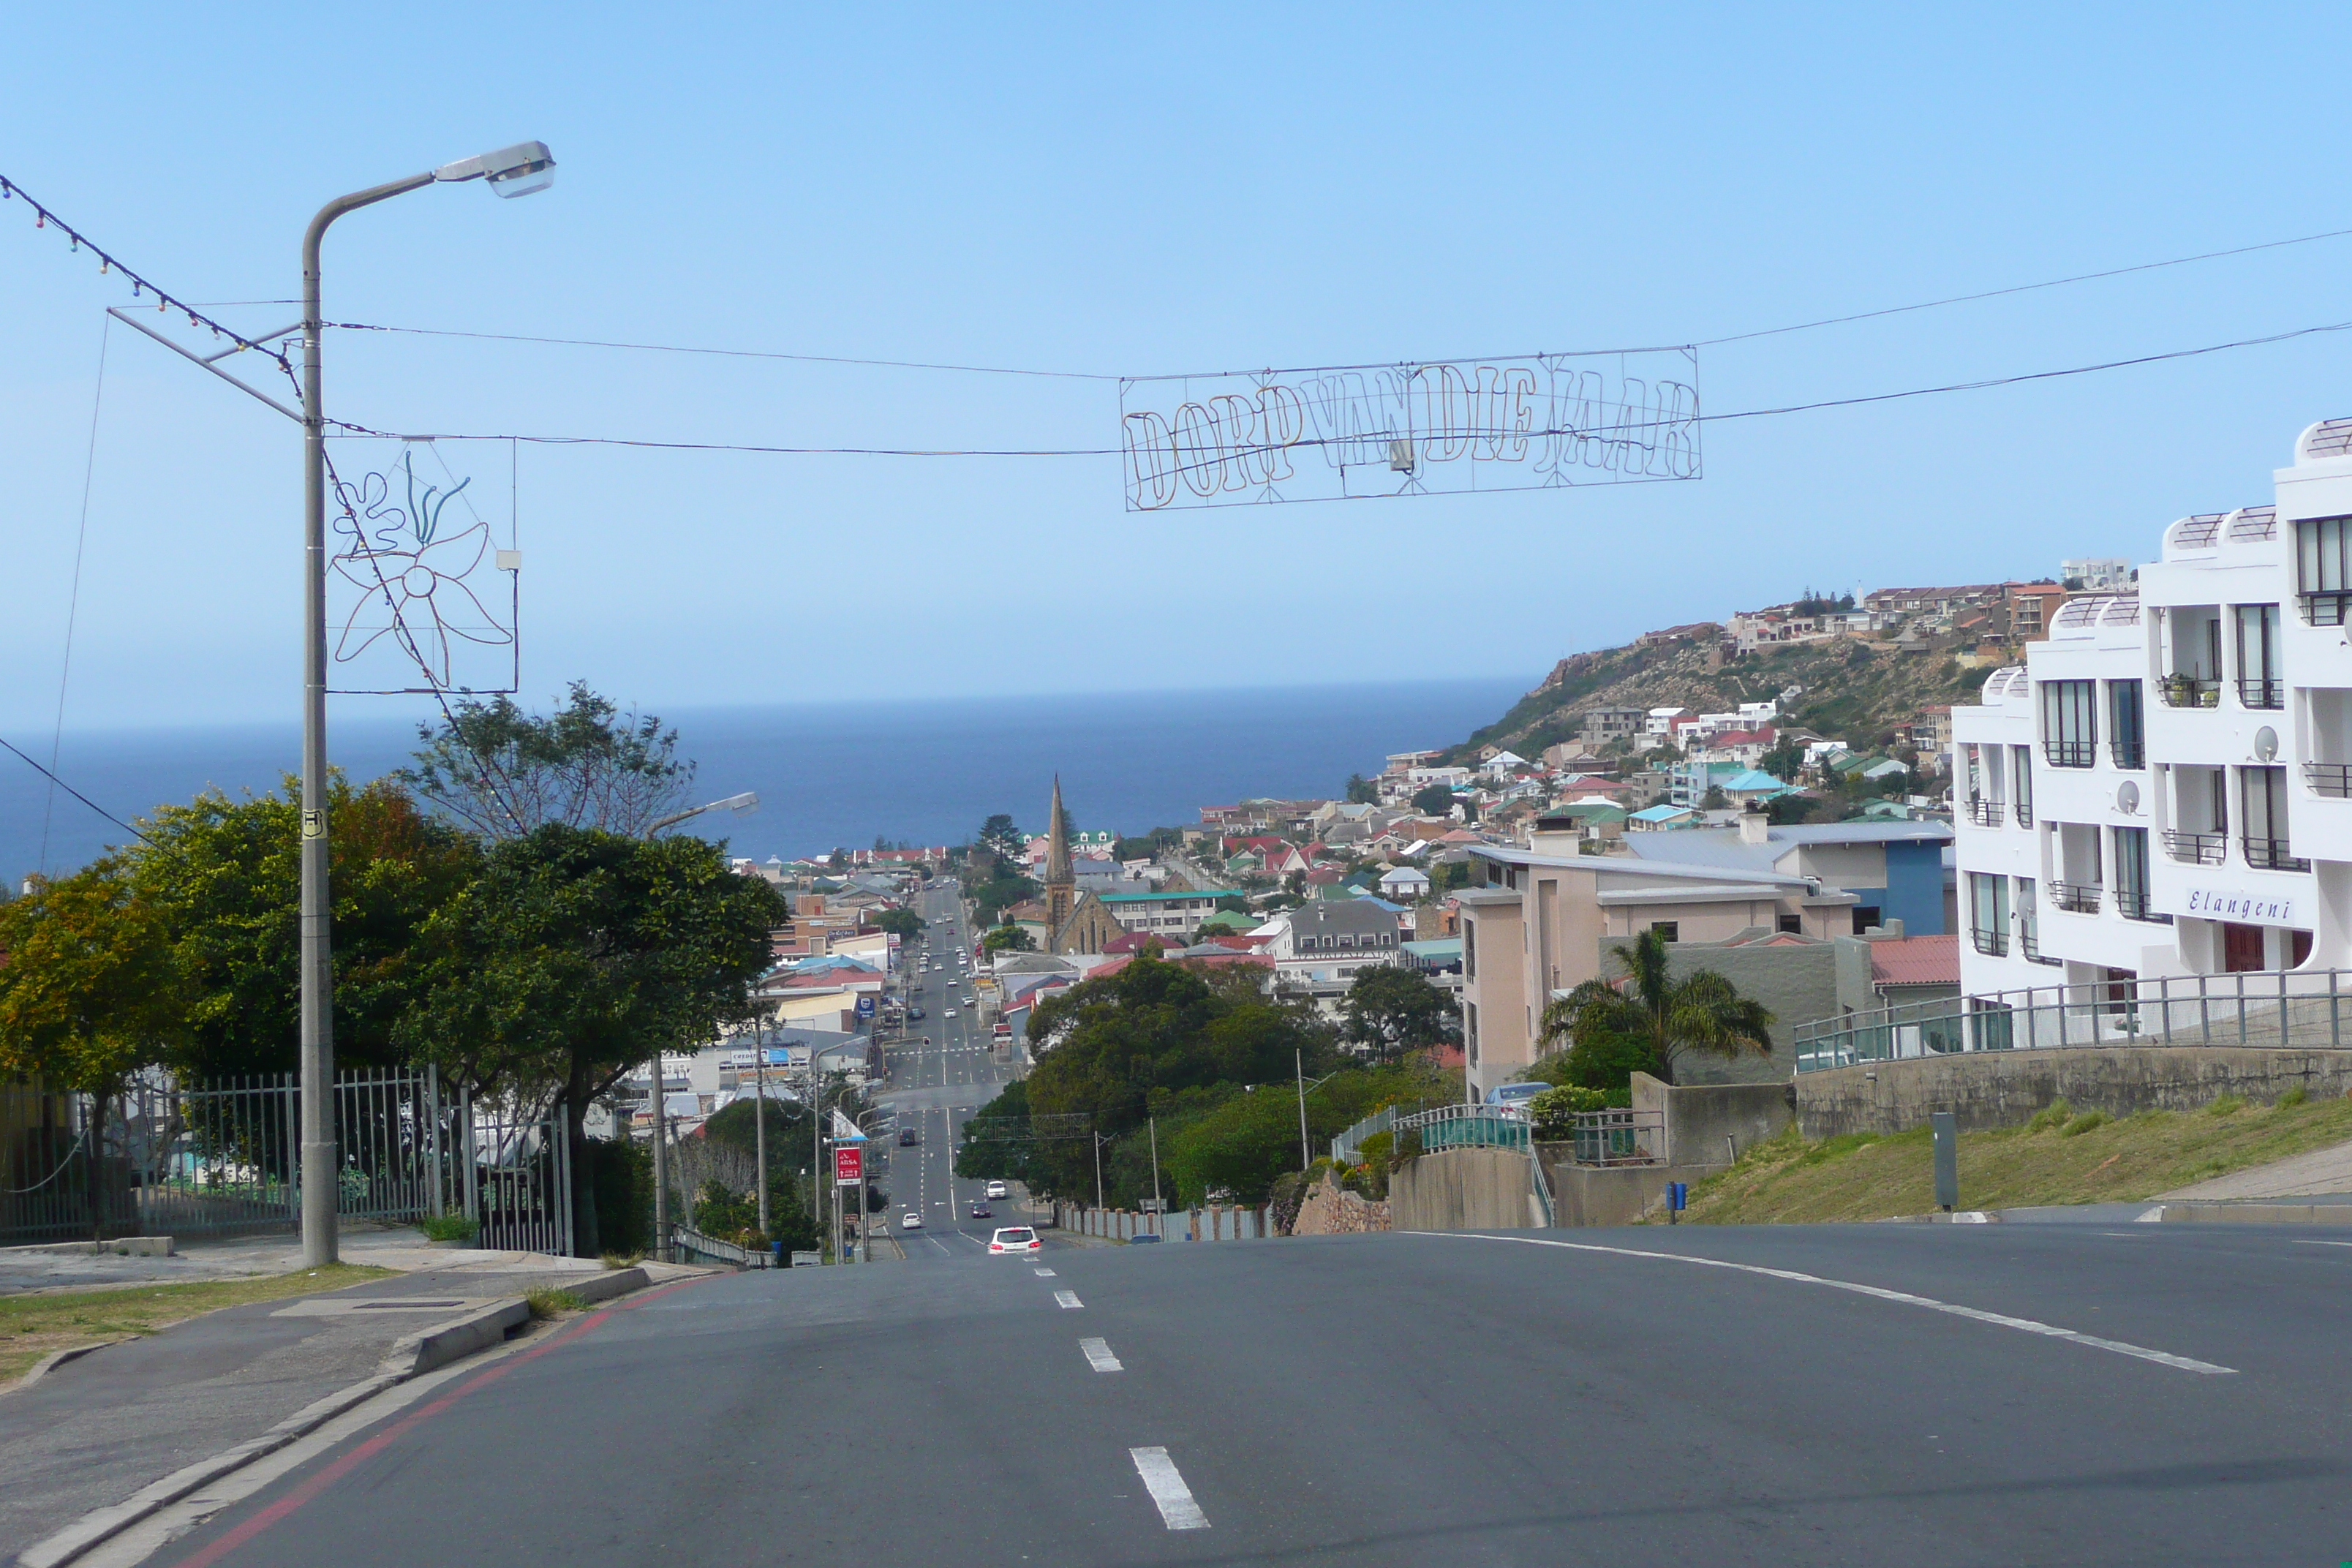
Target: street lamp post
[(514, 171)]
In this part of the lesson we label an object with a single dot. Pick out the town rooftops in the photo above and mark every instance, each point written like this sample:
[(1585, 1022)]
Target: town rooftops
[(1916, 961)]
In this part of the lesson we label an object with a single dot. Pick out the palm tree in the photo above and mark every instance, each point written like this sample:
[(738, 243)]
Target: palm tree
[(1651, 1020)]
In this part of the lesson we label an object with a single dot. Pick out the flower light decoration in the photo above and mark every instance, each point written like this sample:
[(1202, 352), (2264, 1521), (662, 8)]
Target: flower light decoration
[(414, 579)]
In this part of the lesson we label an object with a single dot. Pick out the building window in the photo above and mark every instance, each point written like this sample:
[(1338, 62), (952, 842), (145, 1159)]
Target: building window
[(2131, 875), (2323, 568), (2126, 733), (2262, 794), (2069, 723), (2021, 784), (2259, 685), (1792, 925), (1470, 1028), (1668, 930), (1989, 912), (1470, 949)]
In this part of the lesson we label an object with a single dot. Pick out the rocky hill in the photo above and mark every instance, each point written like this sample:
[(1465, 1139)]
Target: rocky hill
[(1854, 690)]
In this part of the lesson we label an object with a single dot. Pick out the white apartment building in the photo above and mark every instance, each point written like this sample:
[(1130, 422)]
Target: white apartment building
[(2165, 787)]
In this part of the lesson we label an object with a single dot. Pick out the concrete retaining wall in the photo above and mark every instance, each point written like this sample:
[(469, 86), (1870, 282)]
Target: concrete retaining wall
[(2002, 1089), (1463, 1189), (1699, 1118)]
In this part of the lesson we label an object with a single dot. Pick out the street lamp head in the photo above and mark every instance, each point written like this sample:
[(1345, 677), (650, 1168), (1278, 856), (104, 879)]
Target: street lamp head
[(515, 171), (748, 801)]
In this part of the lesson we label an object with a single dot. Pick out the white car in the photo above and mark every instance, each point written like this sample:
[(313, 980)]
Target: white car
[(998, 1190), (971, 1001), (910, 1220), (1017, 1240)]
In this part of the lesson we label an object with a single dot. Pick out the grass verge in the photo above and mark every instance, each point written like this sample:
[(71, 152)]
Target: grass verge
[(547, 1304), (2059, 1157), (33, 1326)]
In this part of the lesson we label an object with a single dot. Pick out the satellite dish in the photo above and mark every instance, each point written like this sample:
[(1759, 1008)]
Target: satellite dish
[(2128, 798), (2265, 744)]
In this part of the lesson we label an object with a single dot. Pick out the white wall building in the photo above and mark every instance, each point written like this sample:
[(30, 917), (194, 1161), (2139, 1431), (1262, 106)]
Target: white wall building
[(2165, 787)]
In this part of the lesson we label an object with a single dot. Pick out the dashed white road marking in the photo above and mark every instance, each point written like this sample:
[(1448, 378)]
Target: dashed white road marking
[(1045, 1274), (1904, 1298), (1067, 1299), (1166, 1485), (1098, 1356)]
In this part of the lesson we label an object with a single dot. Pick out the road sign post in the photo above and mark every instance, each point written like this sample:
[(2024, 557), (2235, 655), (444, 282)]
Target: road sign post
[(1947, 1160)]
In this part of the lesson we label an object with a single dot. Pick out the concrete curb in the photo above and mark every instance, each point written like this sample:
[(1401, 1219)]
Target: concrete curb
[(125, 1246), (412, 1355), (2225, 1213), (51, 1362)]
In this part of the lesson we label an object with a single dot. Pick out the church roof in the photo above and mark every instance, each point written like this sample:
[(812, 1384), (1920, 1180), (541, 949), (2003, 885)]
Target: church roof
[(1057, 838)]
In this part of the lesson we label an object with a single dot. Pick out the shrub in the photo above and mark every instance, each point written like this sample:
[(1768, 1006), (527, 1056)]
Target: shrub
[(448, 1227), (2228, 1105), (2295, 1095), (2057, 1113), (1551, 1113), (2083, 1124)]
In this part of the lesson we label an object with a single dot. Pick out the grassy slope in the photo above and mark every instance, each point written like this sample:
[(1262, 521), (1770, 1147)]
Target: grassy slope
[(1791, 1180), (31, 1326)]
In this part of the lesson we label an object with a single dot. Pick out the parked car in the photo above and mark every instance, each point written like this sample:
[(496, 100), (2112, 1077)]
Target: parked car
[(913, 1014), (1017, 1240), (997, 1190), (1514, 1095)]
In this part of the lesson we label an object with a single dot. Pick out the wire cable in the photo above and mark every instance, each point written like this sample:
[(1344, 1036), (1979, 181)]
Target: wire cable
[(73, 596), (721, 353), (69, 789)]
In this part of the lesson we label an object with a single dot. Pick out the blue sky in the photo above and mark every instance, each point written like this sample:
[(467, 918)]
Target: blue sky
[(1129, 192)]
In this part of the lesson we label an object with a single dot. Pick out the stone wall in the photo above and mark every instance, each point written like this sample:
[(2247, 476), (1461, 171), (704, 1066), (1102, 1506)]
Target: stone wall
[(1330, 1209), (2002, 1088)]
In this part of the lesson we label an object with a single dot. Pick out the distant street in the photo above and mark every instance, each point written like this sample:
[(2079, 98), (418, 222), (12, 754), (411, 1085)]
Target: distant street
[(1995, 1394)]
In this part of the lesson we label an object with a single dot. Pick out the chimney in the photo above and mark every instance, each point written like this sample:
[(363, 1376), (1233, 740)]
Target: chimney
[(1754, 826)]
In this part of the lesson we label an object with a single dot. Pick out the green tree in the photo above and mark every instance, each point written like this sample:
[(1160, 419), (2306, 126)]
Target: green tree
[(998, 833), (1246, 1141), (1390, 1009), (504, 772), (1008, 938), (1362, 791), (577, 954), (1783, 761), (89, 995), (1654, 1021), (900, 922), (1435, 801), (224, 877)]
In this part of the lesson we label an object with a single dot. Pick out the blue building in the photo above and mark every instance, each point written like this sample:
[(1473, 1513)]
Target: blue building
[(1894, 869)]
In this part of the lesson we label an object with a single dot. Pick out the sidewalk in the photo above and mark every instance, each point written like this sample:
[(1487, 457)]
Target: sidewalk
[(96, 1429)]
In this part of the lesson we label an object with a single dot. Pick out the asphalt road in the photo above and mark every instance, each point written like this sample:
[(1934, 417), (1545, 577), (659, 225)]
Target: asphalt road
[(936, 1084), (1882, 1394)]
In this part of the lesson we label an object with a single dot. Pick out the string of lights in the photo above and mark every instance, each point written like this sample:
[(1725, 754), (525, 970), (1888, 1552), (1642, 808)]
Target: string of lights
[(141, 287)]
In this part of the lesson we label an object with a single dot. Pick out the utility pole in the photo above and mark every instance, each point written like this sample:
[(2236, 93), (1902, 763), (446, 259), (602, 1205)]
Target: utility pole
[(661, 1170), (1299, 1061), (760, 1124), (1099, 1142), (1159, 1208)]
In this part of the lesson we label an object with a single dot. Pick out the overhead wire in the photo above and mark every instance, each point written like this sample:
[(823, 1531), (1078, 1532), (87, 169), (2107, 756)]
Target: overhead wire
[(73, 595)]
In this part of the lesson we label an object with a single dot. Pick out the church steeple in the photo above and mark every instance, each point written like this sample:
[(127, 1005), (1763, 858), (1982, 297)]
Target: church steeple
[(1057, 840), (1061, 884)]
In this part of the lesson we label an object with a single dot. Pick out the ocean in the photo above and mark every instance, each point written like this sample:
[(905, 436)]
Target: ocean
[(837, 774)]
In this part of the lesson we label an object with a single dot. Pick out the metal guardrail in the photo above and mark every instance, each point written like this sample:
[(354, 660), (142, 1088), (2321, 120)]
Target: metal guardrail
[(1348, 1147), (1468, 1127), (1619, 1137), (2290, 1008)]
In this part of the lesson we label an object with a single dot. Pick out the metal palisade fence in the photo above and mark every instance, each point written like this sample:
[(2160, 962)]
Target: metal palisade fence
[(222, 1157)]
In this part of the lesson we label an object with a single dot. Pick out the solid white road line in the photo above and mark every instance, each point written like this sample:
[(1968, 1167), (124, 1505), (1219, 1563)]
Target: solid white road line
[(1067, 1299), (1905, 1298), (1098, 1356), (1167, 1486), (2302, 1241)]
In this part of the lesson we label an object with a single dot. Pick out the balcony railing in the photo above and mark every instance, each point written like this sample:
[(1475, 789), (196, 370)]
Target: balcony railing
[(2132, 903), (2127, 754), (2077, 898), (2296, 1010), (2196, 848), (2070, 754), (2324, 609), (2272, 855), (2023, 812), (1992, 943), (2331, 779), (2029, 943), (2189, 691), (1984, 813), (2261, 693)]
